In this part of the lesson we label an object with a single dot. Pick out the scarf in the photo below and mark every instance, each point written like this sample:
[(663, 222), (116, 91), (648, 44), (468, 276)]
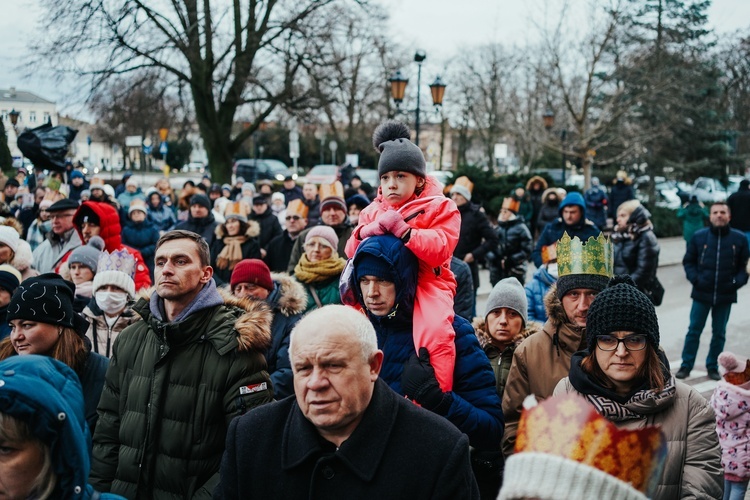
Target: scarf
[(617, 412), (85, 289), (631, 231), (313, 272), (231, 254)]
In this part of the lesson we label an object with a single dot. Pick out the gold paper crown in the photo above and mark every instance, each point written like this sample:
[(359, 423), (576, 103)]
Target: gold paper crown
[(568, 426), (465, 182), (511, 204), (297, 207), (594, 257), (328, 190)]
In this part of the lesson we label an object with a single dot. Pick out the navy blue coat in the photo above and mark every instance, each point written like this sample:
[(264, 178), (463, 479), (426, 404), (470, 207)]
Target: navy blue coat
[(555, 229), (536, 289), (143, 237), (715, 263), (476, 408)]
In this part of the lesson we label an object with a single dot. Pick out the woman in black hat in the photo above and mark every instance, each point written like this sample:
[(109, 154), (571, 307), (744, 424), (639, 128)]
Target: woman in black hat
[(625, 376), (43, 322)]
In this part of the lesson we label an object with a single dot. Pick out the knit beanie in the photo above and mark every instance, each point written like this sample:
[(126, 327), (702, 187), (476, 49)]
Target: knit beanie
[(47, 298), (9, 237), (368, 264), (9, 278), (587, 281), (252, 271), (88, 254), (462, 190), (508, 293), (139, 205), (550, 477), (734, 370), (335, 201), (200, 199), (397, 152), (621, 307), (116, 268), (325, 232)]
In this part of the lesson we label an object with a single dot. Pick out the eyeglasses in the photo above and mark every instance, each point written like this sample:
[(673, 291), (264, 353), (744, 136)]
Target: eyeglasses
[(293, 217), (57, 215), (611, 343)]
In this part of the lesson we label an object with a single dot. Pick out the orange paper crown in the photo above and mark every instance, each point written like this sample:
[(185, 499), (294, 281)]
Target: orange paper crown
[(328, 190), (237, 208), (549, 253), (511, 204), (569, 427), (465, 182), (297, 207)]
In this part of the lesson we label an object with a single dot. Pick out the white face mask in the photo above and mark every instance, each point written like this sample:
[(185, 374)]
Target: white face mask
[(551, 269), (111, 302)]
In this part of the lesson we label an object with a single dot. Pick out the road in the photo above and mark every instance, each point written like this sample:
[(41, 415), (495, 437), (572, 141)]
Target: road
[(674, 314)]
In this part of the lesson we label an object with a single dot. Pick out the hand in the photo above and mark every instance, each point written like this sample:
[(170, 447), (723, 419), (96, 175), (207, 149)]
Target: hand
[(469, 258), (371, 229), (419, 384), (392, 222)]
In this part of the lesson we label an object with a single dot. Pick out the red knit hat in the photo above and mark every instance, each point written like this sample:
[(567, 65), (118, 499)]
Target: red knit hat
[(252, 271)]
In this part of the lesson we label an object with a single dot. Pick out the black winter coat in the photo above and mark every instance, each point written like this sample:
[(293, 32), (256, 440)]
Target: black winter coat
[(291, 194), (269, 226), (278, 252), (313, 211), (476, 237), (250, 250), (715, 263), (547, 213), (464, 301), (513, 251), (397, 451), (739, 204), (637, 249), (143, 237), (619, 194), (205, 226)]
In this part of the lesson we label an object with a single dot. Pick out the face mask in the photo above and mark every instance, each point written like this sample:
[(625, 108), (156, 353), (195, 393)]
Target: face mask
[(551, 269), (111, 302)]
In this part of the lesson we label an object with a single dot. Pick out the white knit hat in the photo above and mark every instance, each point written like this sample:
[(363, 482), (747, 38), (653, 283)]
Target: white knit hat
[(9, 237), (551, 477), (116, 268)]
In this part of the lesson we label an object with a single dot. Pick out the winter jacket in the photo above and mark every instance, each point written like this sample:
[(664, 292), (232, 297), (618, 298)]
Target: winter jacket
[(171, 391), (739, 204), (343, 231), (269, 226), (620, 192), (142, 236), (92, 381), (553, 231), (715, 263), (38, 233), (465, 301), (126, 198), (694, 217), (291, 194), (692, 468), (327, 292), (536, 290), (396, 451), (313, 211), (111, 233), (596, 205), (548, 212), (56, 392), (279, 251), (535, 195), (539, 363), (250, 249), (512, 252), (526, 206), (49, 254), (100, 334), (475, 407), (637, 249), (476, 237), (205, 226), (161, 215), (731, 404), (501, 360)]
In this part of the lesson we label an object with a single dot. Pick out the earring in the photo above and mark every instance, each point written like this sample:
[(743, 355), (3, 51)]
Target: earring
[(60, 334)]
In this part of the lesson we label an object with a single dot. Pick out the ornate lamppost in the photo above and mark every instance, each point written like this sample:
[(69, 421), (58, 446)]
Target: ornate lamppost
[(548, 118)]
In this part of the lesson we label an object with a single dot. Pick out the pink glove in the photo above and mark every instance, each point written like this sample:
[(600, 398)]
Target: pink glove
[(371, 229), (392, 222)]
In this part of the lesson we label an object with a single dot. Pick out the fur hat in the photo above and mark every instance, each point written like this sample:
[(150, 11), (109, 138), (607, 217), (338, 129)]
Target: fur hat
[(326, 233), (392, 140), (508, 293)]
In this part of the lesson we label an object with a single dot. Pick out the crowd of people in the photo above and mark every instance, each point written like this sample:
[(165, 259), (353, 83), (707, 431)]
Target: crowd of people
[(262, 341)]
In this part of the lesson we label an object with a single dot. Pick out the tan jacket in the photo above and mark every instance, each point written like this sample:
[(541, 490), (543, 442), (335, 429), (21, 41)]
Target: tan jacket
[(539, 363), (693, 465)]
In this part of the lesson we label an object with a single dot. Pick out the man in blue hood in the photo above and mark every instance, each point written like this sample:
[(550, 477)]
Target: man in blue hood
[(383, 283), (572, 220)]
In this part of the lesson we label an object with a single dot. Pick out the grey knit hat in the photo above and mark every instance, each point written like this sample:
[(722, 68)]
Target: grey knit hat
[(508, 293), (397, 152), (88, 254), (462, 190)]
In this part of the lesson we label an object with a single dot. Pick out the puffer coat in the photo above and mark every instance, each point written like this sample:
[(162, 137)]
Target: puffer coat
[(731, 403), (101, 335), (637, 249), (536, 290), (170, 393), (694, 217), (513, 251)]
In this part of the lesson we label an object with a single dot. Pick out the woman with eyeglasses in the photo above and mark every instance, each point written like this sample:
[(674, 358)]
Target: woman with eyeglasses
[(320, 267), (625, 376), (236, 240)]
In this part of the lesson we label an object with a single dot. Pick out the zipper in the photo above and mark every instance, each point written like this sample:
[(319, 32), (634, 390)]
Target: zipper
[(716, 272)]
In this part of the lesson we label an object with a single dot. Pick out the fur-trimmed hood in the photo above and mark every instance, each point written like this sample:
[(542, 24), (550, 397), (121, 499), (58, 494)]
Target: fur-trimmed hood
[(23, 257), (14, 223), (289, 296), (561, 193), (554, 307), (534, 179), (253, 230), (480, 328)]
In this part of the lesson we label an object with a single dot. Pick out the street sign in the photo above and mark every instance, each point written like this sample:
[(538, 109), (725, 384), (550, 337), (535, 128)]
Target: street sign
[(163, 148), (147, 150), (147, 142), (133, 141), (501, 150)]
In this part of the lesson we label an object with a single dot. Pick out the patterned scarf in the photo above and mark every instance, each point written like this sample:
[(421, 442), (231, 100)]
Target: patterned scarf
[(313, 272), (631, 231), (616, 412), (231, 254)]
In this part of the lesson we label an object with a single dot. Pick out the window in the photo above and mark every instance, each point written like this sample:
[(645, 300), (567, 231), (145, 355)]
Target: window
[(46, 117), (32, 116)]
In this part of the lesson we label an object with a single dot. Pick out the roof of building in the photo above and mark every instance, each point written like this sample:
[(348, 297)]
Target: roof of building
[(11, 95)]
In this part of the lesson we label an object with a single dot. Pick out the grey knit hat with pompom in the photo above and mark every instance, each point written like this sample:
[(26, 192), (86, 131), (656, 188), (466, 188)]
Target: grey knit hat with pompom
[(397, 152)]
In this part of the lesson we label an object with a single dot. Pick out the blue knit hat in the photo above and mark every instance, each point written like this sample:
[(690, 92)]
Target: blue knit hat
[(370, 265)]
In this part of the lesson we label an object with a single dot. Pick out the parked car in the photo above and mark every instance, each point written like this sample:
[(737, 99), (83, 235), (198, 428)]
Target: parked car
[(253, 170), (444, 176), (323, 174), (709, 190), (368, 176), (194, 166)]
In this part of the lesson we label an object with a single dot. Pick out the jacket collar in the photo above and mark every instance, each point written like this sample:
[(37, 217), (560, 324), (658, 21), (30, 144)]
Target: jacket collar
[(720, 231), (364, 449)]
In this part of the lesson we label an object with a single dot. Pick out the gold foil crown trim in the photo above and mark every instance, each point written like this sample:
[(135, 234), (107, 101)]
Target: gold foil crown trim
[(595, 256)]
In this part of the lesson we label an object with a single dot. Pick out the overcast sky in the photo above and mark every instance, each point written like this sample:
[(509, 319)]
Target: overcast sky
[(442, 28)]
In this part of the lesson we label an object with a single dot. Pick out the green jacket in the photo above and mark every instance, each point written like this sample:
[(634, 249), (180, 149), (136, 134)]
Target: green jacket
[(327, 291), (694, 217), (171, 390)]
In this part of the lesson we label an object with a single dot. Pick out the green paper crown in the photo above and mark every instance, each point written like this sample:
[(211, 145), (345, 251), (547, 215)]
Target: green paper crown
[(596, 256)]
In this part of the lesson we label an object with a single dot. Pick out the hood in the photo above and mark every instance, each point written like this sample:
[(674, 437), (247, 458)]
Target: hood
[(405, 265), (547, 192), (109, 222), (554, 308), (23, 258), (432, 187), (544, 276), (54, 412), (14, 223), (253, 230), (288, 296), (480, 328), (534, 179), (573, 198), (639, 216)]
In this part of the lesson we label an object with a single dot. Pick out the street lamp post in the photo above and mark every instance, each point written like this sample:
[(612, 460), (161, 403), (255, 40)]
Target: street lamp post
[(549, 121), (14, 119)]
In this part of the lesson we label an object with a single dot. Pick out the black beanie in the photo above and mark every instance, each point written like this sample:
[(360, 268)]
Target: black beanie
[(370, 265), (47, 298), (588, 281), (621, 307), (200, 199), (397, 152)]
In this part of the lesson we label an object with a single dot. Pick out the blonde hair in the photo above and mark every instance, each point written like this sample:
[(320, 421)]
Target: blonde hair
[(629, 206)]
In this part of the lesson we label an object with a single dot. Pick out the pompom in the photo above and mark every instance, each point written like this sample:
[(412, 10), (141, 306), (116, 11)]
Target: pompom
[(97, 242), (389, 130), (728, 361), (621, 278)]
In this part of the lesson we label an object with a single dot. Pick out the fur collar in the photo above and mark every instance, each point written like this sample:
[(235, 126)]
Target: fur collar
[(253, 230), (291, 297), (480, 328)]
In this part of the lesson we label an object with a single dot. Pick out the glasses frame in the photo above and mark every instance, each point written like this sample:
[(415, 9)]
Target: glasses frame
[(622, 340), (292, 217)]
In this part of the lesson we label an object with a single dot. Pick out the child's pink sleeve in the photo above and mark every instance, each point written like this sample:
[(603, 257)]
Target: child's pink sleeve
[(366, 216), (433, 327), (434, 234)]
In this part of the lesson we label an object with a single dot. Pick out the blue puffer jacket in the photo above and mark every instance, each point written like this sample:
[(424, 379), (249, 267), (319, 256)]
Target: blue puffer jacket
[(555, 229), (476, 408), (161, 215), (143, 237), (715, 263), (536, 289), (54, 412)]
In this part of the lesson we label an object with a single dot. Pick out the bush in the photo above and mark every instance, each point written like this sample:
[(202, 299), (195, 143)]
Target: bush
[(666, 223)]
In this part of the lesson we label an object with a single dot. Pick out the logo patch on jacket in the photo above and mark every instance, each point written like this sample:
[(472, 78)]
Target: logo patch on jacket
[(249, 389)]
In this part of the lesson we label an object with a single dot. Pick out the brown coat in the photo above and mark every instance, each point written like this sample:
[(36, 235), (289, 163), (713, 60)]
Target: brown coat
[(539, 363), (693, 465)]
